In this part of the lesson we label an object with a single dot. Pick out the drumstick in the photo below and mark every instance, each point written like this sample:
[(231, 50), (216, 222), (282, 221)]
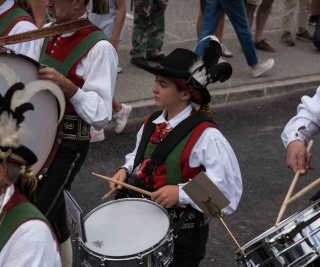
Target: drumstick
[(109, 193), (304, 190), (134, 188), (292, 186)]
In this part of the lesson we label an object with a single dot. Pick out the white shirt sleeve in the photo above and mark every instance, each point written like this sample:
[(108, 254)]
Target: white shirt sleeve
[(214, 152), (308, 116), (32, 245), (93, 102), (31, 48)]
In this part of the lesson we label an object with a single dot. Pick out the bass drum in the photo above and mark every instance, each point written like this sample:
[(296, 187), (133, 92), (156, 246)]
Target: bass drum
[(130, 232), (294, 242), (41, 126)]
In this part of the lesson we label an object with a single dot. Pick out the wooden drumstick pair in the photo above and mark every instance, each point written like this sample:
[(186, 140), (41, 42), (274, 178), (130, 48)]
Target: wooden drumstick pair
[(134, 188), (289, 198)]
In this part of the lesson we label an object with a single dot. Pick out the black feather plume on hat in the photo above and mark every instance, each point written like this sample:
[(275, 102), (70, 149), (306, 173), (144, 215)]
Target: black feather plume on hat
[(210, 68)]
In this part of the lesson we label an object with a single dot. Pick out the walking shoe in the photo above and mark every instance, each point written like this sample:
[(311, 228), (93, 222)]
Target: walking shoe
[(305, 36), (313, 20), (286, 39), (119, 70), (138, 61), (262, 67), (225, 51), (122, 118), (157, 58), (264, 46), (96, 135)]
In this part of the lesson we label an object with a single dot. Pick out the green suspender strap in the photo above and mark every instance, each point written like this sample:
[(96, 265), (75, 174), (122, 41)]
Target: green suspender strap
[(81, 49), (13, 219), (10, 17)]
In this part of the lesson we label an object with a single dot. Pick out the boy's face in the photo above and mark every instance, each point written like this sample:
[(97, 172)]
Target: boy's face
[(166, 94)]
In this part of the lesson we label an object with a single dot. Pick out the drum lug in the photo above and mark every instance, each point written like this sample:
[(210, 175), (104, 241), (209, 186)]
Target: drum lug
[(140, 259)]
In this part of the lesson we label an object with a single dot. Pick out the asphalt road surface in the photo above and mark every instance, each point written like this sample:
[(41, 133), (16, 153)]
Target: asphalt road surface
[(253, 130)]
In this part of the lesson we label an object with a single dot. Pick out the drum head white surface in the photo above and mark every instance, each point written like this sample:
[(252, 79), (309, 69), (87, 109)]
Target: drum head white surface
[(125, 227), (40, 125)]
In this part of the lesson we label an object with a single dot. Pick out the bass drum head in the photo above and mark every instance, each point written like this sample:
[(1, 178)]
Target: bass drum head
[(40, 125), (126, 227)]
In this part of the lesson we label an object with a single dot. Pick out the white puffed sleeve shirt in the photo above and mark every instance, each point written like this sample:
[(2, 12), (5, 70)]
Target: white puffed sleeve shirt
[(214, 152), (32, 244), (98, 69), (306, 123), (31, 48)]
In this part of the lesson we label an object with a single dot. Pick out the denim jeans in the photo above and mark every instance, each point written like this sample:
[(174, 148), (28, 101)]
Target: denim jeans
[(235, 10), (61, 173)]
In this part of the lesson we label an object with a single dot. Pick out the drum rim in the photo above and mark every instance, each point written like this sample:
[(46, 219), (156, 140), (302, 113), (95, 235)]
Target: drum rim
[(141, 254), (122, 200), (279, 226), (8, 52)]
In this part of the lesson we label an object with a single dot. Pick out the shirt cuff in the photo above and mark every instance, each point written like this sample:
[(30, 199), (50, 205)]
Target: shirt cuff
[(77, 97)]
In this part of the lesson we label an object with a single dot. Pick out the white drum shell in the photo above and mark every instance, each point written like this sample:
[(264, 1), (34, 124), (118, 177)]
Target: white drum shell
[(127, 232)]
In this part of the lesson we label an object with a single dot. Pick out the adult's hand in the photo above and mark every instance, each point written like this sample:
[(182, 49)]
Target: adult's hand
[(297, 157)]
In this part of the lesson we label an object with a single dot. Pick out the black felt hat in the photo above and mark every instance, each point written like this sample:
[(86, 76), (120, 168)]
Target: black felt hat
[(198, 71)]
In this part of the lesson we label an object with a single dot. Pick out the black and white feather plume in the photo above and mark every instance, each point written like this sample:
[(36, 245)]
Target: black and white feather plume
[(210, 68)]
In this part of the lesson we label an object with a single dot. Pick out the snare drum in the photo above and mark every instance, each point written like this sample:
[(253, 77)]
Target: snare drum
[(293, 242), (127, 232), (45, 121)]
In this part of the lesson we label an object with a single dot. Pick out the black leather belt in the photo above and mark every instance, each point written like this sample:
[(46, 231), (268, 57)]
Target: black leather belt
[(194, 220), (75, 128)]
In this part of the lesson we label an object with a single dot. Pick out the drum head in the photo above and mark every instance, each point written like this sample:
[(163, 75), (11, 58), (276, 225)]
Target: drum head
[(44, 120), (126, 227)]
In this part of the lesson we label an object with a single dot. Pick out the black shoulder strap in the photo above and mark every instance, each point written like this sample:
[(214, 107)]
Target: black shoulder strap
[(172, 139), (146, 135)]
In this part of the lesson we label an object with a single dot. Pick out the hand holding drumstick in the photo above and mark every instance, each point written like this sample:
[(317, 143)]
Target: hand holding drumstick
[(298, 159), (166, 196)]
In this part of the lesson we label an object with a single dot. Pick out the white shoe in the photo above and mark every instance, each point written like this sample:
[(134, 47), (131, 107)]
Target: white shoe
[(96, 135), (225, 51), (262, 68), (119, 70), (122, 118)]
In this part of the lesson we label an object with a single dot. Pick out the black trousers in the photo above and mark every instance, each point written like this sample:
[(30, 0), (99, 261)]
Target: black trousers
[(190, 247), (49, 196)]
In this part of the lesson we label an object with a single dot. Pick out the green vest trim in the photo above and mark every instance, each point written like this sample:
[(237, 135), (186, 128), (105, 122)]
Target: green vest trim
[(173, 161), (10, 17), (81, 49), (16, 216)]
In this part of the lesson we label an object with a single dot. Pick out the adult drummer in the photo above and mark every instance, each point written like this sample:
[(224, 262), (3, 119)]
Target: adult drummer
[(14, 20), (181, 79), (26, 237), (84, 65)]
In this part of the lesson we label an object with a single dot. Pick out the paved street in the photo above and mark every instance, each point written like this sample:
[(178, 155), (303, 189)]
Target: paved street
[(250, 112), (253, 129)]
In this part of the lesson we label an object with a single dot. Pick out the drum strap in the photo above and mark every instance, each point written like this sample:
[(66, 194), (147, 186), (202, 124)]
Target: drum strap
[(45, 32)]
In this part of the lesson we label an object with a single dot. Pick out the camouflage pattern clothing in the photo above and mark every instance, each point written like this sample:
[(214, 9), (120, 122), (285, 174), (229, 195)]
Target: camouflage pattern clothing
[(148, 28)]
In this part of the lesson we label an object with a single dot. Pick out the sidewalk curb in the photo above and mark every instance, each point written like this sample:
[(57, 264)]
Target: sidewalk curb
[(231, 96)]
